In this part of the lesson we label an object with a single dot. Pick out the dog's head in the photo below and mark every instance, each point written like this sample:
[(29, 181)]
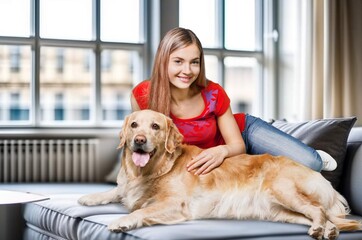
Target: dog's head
[(147, 133)]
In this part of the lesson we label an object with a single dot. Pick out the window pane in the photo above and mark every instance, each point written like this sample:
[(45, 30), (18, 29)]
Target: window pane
[(65, 84), (120, 20), (211, 66), (240, 25), (119, 69), (241, 83), (15, 18), (15, 76), (66, 19), (203, 25)]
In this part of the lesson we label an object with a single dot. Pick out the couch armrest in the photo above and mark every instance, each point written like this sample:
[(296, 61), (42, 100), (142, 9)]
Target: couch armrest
[(352, 178)]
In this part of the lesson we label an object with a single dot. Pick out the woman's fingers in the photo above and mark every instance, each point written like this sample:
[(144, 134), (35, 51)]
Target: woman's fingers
[(207, 160), (203, 163), (205, 168), (196, 162)]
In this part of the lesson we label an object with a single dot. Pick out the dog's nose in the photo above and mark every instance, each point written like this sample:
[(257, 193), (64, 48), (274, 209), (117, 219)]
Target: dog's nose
[(140, 139)]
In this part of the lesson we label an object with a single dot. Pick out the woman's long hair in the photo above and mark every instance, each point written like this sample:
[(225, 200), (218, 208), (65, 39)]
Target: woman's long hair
[(160, 93)]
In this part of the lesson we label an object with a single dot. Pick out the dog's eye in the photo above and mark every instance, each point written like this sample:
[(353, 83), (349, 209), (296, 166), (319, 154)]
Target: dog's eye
[(134, 125), (155, 126)]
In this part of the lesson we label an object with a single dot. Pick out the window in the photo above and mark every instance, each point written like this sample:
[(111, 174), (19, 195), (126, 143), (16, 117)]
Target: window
[(117, 80), (205, 27), (122, 15), (15, 83), (16, 111), (241, 25), (17, 12), (15, 59), (58, 107), (242, 83), (74, 83), (60, 60), (66, 19), (74, 63), (230, 32)]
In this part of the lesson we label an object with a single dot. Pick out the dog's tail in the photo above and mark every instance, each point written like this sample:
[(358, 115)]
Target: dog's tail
[(337, 215), (344, 224)]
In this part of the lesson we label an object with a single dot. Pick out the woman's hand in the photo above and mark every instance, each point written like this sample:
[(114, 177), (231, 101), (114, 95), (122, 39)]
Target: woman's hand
[(207, 160)]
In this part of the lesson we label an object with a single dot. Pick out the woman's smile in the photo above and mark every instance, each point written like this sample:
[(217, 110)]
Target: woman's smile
[(185, 79)]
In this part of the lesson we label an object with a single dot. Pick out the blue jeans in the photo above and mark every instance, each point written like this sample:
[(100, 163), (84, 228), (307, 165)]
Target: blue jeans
[(261, 137)]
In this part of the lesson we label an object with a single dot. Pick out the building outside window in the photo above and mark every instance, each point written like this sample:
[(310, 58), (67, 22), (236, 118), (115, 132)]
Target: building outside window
[(17, 112), (59, 107), (60, 60), (15, 58)]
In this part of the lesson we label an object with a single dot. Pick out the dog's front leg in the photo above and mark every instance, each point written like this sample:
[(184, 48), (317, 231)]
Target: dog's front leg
[(161, 213), (100, 198)]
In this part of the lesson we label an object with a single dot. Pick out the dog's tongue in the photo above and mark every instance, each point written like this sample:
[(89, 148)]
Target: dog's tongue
[(140, 159)]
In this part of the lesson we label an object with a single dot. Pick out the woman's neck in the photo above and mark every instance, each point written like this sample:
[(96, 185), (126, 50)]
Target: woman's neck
[(181, 95), (187, 103)]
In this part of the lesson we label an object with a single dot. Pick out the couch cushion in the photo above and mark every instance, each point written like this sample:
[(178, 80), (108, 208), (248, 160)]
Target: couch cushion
[(62, 216), (200, 229), (329, 135)]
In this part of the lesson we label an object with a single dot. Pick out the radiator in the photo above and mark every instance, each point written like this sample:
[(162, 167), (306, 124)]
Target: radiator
[(48, 160)]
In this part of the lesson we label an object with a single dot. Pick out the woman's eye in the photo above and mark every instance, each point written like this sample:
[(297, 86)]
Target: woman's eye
[(155, 126), (195, 62), (134, 125)]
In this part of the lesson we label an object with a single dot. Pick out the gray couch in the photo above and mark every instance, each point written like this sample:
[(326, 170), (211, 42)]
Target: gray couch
[(62, 217)]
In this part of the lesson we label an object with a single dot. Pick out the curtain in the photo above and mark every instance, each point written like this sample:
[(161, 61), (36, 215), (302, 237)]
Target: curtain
[(334, 84)]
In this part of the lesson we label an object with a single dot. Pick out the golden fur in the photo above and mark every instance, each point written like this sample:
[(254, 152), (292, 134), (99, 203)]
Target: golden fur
[(264, 187)]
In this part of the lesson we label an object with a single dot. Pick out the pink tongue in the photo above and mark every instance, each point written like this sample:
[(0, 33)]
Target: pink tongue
[(140, 159)]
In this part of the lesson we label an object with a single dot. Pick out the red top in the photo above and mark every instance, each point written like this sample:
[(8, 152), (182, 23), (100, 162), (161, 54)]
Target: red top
[(202, 130)]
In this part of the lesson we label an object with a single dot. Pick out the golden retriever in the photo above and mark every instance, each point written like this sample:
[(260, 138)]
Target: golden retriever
[(155, 186)]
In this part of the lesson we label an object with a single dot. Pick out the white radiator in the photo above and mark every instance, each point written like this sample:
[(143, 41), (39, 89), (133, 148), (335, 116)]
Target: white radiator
[(48, 160)]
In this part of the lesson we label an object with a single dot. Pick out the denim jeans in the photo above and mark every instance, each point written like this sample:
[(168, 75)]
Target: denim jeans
[(261, 137)]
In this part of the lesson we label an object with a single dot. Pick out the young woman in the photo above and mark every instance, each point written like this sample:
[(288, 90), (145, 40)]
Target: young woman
[(201, 110)]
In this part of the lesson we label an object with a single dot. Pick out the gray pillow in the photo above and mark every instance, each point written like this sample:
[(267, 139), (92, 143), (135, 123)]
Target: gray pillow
[(329, 135)]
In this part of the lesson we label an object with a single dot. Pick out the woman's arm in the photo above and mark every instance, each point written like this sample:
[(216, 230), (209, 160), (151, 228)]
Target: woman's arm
[(211, 158), (231, 133)]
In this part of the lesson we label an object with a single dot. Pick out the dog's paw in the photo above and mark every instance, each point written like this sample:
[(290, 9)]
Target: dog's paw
[(87, 201), (115, 227), (331, 231), (316, 232), (122, 224), (92, 200)]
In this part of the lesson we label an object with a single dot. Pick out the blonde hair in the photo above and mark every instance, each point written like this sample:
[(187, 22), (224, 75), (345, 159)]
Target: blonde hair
[(160, 93)]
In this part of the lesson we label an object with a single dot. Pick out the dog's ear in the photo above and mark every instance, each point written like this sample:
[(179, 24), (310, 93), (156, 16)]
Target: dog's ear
[(173, 138), (123, 133)]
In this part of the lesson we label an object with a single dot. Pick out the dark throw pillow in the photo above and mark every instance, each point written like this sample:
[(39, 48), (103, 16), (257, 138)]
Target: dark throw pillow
[(329, 135)]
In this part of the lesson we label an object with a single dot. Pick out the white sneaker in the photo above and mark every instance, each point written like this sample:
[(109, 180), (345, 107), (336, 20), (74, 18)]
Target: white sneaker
[(329, 164)]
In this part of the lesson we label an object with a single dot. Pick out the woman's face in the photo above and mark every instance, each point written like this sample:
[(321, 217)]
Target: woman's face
[(184, 66)]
